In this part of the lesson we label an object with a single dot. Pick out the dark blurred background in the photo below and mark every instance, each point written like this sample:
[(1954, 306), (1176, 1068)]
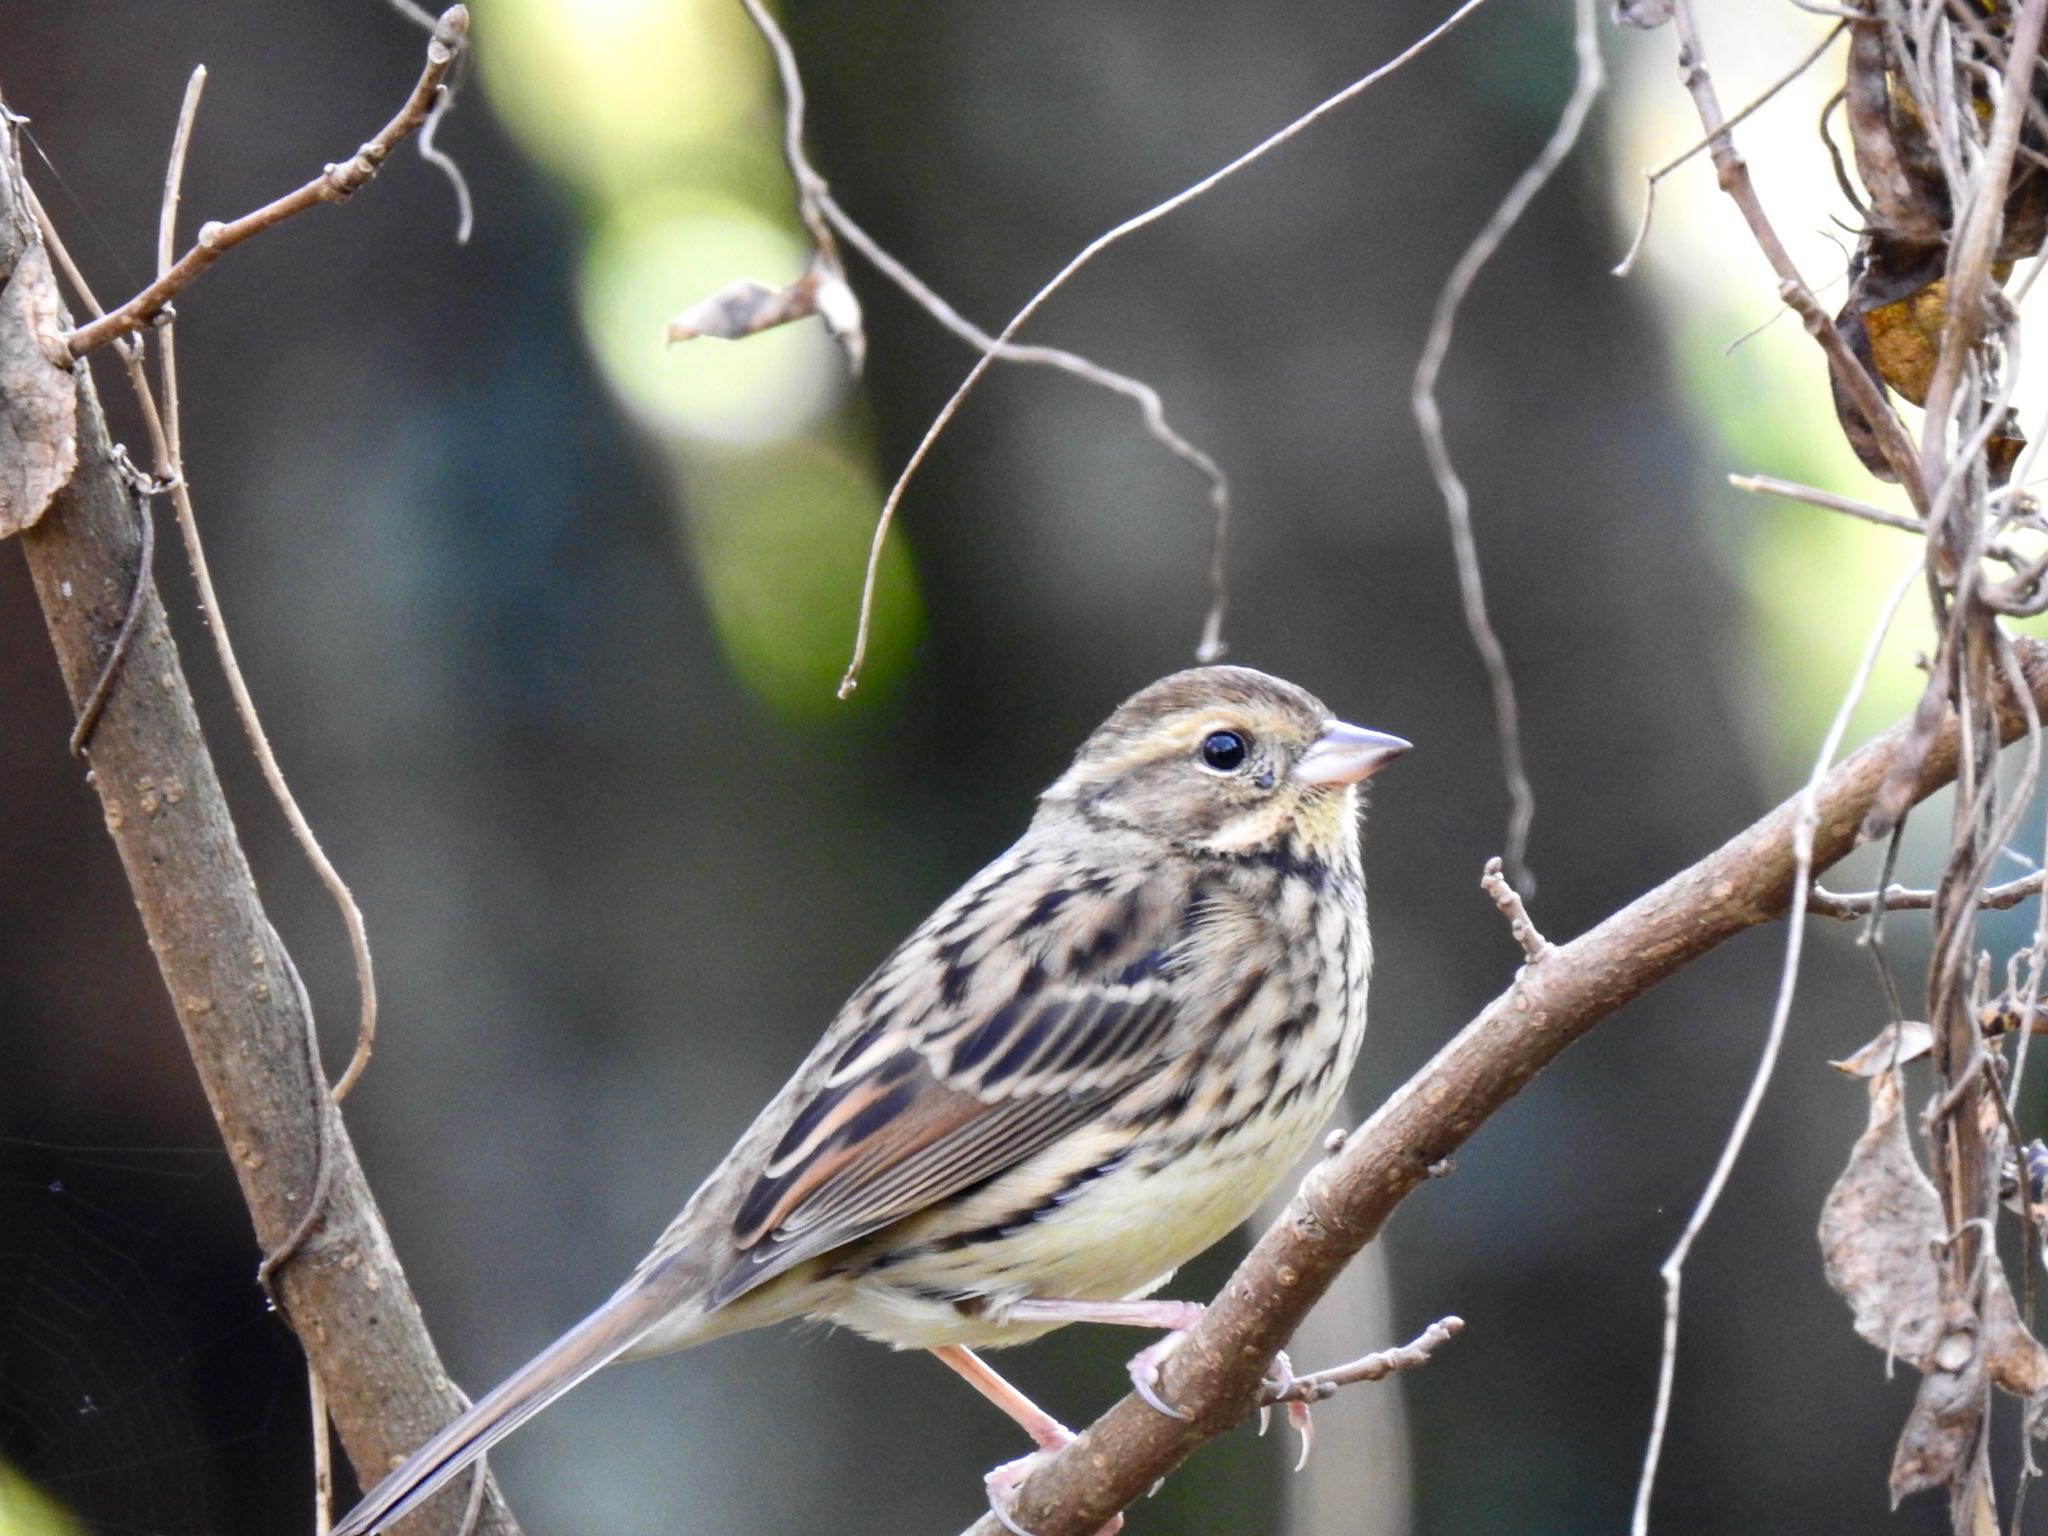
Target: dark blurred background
[(543, 620)]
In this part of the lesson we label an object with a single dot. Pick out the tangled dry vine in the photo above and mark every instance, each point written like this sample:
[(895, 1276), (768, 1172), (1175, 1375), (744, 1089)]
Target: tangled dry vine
[(1945, 117)]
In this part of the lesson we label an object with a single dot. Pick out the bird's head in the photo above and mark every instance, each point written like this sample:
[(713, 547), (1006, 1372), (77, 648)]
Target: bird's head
[(1226, 760)]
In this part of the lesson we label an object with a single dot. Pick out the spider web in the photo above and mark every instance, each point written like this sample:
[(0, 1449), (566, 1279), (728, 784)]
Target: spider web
[(143, 1389)]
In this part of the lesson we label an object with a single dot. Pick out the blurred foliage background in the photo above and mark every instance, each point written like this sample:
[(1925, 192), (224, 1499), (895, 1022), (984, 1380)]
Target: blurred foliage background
[(544, 619)]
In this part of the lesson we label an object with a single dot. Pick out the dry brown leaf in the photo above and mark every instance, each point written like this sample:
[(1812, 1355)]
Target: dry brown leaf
[(38, 398), (747, 307), (1940, 1438), (1905, 339), (1894, 1045), (1877, 1228), (2019, 1364)]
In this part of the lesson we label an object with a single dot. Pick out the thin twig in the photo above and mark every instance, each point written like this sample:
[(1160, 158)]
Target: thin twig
[(167, 439), (1623, 267), (816, 204), (145, 564), (332, 185), (1509, 900), (1732, 172), (1085, 255), (442, 161), (1804, 827), (1592, 76), (1379, 1365), (1814, 496), (1850, 905), (1150, 406), (1970, 259)]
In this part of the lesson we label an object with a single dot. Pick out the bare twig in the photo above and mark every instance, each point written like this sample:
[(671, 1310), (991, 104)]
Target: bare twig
[(1850, 905), (1732, 172), (332, 185), (815, 202), (1970, 259), (1623, 267), (1592, 76), (1804, 831), (117, 658), (167, 440), (1520, 924), (1150, 407), (1318, 1385), (442, 161), (1813, 496), (1086, 254)]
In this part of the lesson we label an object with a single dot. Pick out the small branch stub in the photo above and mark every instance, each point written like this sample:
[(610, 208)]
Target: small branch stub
[(1379, 1365), (1520, 924)]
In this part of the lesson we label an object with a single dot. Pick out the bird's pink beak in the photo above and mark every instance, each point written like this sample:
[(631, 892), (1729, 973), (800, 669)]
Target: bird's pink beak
[(1344, 754)]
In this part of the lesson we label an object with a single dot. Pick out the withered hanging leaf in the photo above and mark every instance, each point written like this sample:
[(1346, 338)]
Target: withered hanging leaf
[(748, 307), (1940, 1438), (1856, 429), (2002, 451), (2019, 1364), (1897, 305), (1894, 1044), (1905, 339), (1892, 322), (1876, 1230), (1895, 160), (38, 398)]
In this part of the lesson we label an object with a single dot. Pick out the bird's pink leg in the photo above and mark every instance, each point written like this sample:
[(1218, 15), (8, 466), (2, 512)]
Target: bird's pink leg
[(1177, 1317), (1047, 1432)]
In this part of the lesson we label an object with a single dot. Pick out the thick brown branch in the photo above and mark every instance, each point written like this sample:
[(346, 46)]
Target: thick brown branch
[(1215, 1375), (230, 980), (333, 185)]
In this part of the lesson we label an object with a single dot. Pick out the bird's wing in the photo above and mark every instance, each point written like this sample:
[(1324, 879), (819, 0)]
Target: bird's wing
[(1017, 1012)]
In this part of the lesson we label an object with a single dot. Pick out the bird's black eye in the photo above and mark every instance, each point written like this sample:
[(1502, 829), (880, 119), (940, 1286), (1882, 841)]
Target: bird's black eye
[(1223, 750)]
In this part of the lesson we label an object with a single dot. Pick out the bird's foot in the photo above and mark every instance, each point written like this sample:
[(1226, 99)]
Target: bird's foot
[(1003, 1482), (1145, 1364), (1283, 1386)]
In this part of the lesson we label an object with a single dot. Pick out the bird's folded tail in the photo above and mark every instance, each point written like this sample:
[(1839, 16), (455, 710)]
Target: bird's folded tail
[(588, 1347)]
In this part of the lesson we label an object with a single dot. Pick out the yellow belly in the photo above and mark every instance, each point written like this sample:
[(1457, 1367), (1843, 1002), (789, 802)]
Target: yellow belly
[(1121, 1236)]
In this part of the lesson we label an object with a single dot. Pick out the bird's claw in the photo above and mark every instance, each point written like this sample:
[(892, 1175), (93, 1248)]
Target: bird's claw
[(1003, 1482), (1279, 1383), (1144, 1369)]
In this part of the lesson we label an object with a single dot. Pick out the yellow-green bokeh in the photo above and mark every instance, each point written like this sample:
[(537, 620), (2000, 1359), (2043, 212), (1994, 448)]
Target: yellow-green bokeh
[(25, 1510), (614, 95), (781, 538), (648, 251), (663, 120)]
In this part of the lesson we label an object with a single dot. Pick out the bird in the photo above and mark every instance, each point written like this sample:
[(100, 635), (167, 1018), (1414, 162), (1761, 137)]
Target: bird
[(1089, 1064)]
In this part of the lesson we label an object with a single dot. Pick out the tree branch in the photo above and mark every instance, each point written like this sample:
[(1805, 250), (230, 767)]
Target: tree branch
[(334, 184), (231, 982), (1215, 1376)]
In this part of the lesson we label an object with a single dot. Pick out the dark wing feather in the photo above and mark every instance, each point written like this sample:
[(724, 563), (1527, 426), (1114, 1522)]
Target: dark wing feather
[(926, 1091)]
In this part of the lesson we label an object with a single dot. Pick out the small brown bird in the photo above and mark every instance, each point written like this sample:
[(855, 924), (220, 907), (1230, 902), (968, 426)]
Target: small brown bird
[(1088, 1065)]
